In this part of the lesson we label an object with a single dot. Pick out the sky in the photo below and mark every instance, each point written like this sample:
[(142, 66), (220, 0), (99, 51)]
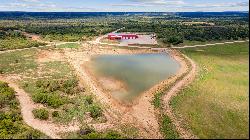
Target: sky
[(124, 5)]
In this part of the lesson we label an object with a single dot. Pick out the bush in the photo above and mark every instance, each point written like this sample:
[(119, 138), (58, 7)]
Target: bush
[(53, 86), (92, 135), (55, 114), (113, 135), (70, 83), (39, 83), (167, 128), (157, 100), (175, 40), (95, 111), (40, 97), (54, 100), (1, 71), (42, 114), (85, 130), (89, 100), (32, 134), (6, 94), (67, 86)]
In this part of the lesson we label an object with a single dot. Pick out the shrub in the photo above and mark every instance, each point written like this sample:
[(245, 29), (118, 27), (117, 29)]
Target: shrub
[(54, 100), (1, 71), (6, 94), (31, 134), (95, 111), (70, 83), (42, 114), (85, 130), (157, 100), (53, 86), (39, 83), (40, 97), (67, 86), (55, 114), (175, 40), (89, 100), (113, 135), (167, 128)]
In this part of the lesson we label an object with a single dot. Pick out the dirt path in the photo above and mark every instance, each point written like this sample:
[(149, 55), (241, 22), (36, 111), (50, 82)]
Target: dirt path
[(186, 134), (181, 47), (27, 105), (213, 44)]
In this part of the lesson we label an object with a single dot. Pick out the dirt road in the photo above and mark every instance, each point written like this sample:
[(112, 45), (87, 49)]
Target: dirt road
[(212, 44), (186, 134)]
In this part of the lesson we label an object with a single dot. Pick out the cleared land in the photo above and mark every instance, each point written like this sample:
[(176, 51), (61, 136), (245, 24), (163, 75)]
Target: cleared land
[(215, 105)]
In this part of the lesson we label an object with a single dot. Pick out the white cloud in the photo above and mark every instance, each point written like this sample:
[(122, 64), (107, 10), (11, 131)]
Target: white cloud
[(158, 1), (29, 0), (218, 5), (150, 3), (242, 4), (129, 5)]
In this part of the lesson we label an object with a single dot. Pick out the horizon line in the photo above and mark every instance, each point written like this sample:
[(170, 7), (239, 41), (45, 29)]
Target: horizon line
[(119, 11)]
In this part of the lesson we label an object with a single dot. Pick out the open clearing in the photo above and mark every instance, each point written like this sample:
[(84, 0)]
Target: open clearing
[(56, 79), (216, 104)]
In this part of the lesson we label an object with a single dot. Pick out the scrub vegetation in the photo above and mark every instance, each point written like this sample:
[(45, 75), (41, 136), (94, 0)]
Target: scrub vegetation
[(42, 114), (55, 86), (167, 128), (10, 39), (216, 104), (11, 123), (89, 133)]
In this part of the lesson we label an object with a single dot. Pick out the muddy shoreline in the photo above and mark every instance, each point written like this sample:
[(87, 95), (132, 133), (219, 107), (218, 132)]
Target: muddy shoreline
[(156, 88)]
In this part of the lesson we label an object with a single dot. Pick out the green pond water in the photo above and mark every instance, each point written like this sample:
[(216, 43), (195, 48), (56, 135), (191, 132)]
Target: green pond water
[(138, 72)]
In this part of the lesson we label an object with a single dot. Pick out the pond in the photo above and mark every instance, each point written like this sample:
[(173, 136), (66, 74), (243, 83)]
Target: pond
[(126, 77)]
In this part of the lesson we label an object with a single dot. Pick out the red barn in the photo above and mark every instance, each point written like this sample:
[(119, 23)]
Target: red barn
[(122, 36)]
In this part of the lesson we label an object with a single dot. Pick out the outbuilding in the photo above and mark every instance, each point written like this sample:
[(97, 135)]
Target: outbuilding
[(119, 36)]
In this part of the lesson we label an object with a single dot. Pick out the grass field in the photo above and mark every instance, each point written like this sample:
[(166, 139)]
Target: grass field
[(18, 62), (215, 105)]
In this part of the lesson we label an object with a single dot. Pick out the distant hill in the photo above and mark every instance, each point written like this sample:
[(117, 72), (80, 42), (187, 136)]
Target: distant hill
[(51, 15)]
